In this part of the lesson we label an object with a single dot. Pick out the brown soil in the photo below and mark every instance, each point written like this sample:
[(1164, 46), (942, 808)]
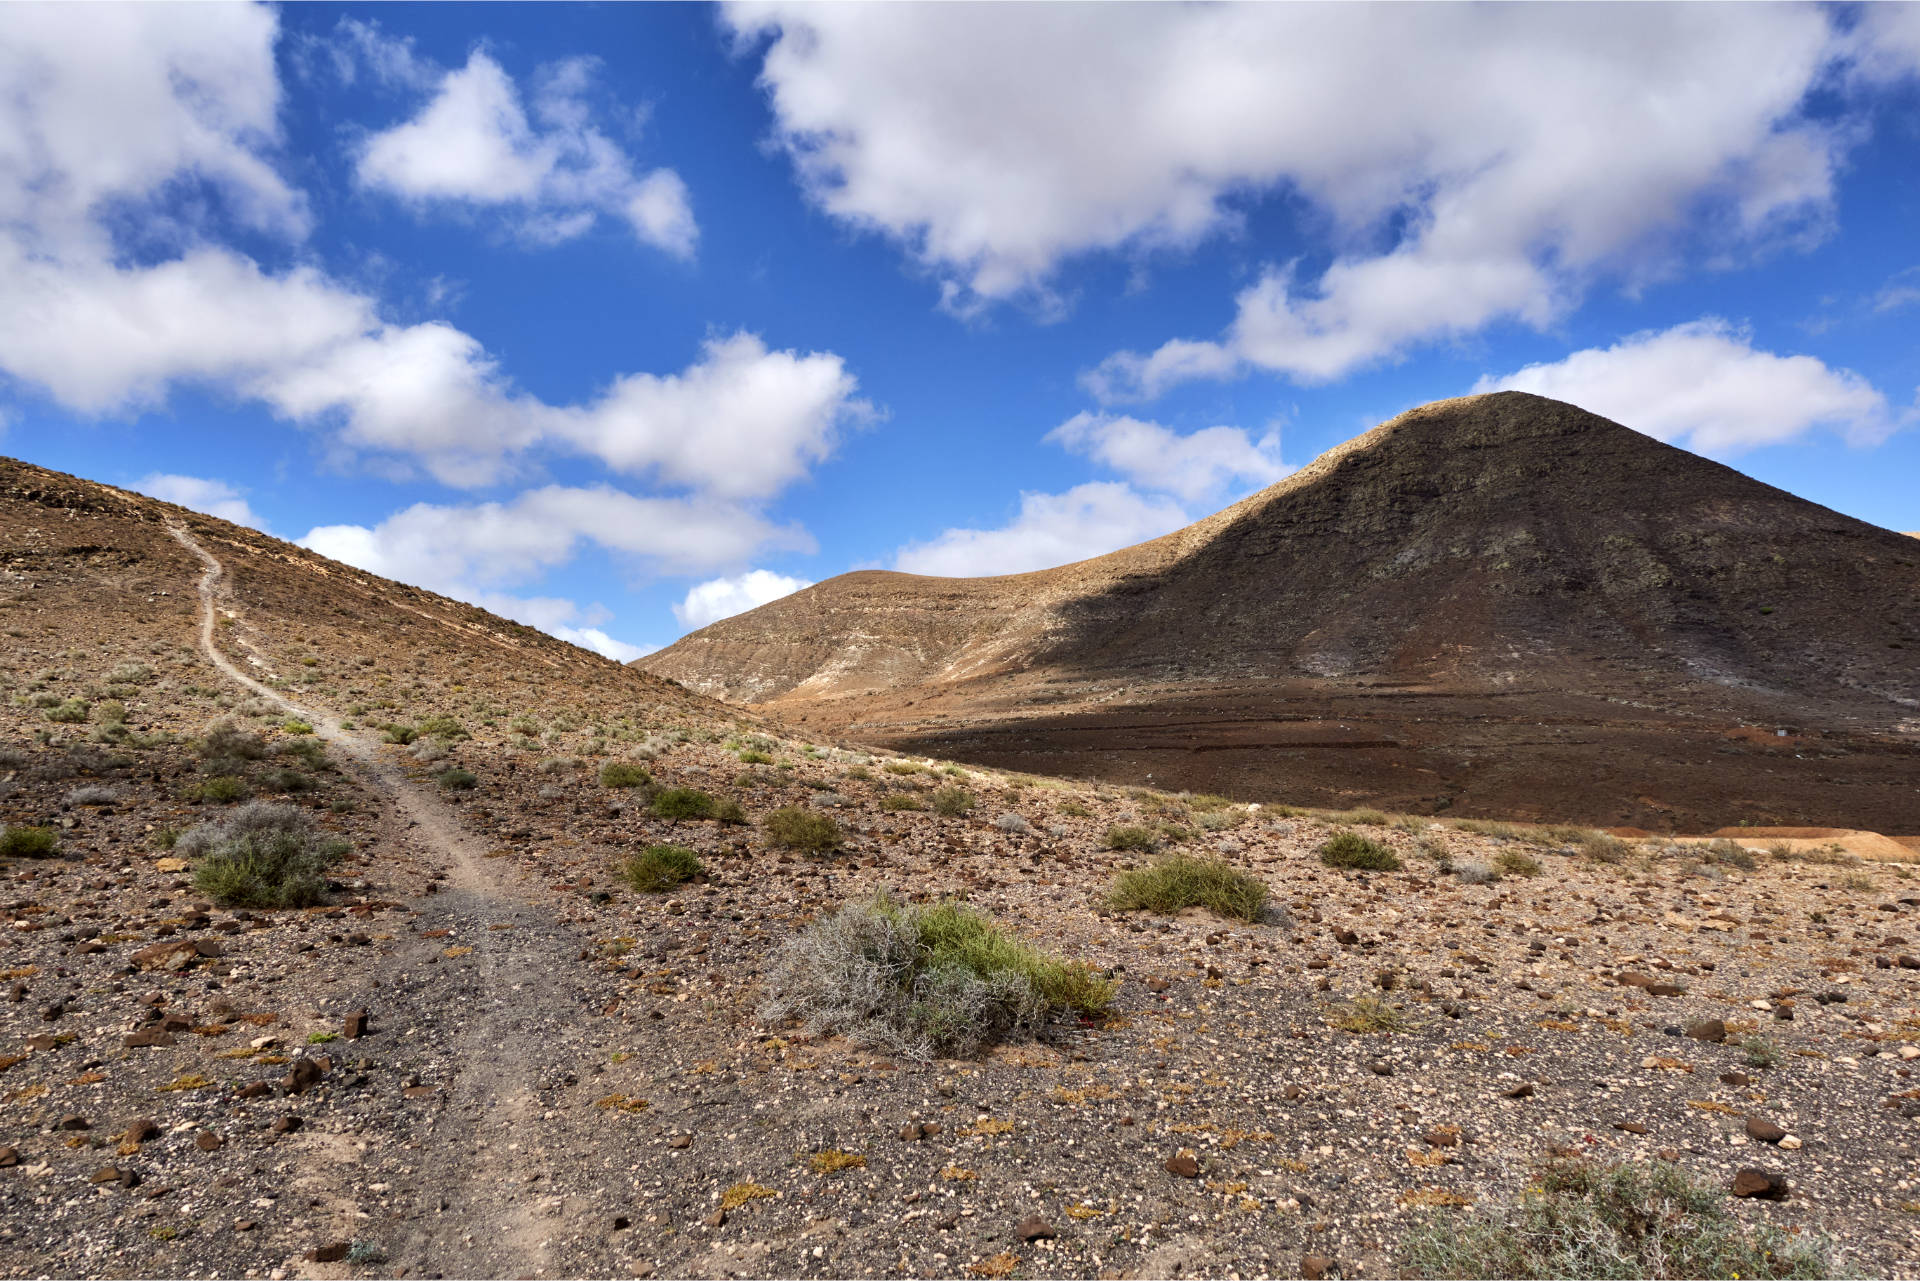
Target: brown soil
[(1492, 606)]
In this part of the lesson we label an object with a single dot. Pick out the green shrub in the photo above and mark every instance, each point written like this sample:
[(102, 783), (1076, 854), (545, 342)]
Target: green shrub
[(682, 803), (1355, 818), (1581, 1220), (904, 767), (286, 780), (222, 789), (894, 802), (72, 712), (28, 842), (1140, 839), (294, 725), (1514, 863), (1355, 852), (1761, 1053), (1368, 1014), (751, 757), (456, 779), (923, 981), (730, 813), (443, 727), (261, 856), (310, 752), (799, 829), (402, 734), (113, 711), (952, 802), (660, 867), (1074, 809), (1173, 884), (624, 774)]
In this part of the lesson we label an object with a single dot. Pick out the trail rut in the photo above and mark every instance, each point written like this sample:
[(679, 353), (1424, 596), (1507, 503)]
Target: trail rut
[(506, 1017)]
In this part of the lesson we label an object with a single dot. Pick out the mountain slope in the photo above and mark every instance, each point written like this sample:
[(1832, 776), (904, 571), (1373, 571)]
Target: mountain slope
[(1495, 547), (79, 559)]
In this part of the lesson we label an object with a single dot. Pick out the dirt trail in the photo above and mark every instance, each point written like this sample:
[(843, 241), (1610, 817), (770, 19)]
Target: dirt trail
[(509, 1027)]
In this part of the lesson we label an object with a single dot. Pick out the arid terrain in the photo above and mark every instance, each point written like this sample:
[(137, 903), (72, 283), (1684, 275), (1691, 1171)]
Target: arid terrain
[(1499, 606), (486, 1054)]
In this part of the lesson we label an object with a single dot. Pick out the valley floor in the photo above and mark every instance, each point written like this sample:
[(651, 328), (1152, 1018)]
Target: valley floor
[(558, 1075)]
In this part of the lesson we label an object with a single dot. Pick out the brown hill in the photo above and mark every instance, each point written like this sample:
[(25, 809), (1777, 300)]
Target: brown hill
[(1502, 604), (82, 561)]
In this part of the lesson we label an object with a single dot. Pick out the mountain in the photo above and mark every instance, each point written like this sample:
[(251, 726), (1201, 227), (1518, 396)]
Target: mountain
[(1498, 604)]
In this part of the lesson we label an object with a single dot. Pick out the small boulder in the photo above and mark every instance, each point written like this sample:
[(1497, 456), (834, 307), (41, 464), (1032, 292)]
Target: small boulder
[(1758, 1127), (1762, 1185), (1034, 1228), (1712, 1031), (1183, 1165)]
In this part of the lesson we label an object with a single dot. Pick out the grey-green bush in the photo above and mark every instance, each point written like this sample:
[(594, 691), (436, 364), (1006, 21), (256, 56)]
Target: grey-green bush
[(918, 982), (261, 855), (1581, 1220)]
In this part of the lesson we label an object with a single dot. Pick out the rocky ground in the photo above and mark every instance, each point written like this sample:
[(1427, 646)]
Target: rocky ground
[(559, 1076), (556, 1075)]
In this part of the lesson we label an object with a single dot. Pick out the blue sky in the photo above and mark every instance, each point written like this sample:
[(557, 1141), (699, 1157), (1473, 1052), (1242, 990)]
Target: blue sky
[(617, 319)]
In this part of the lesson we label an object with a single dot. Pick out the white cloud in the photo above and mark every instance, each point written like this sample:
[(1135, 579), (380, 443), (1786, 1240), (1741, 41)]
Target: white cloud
[(741, 421), (1487, 164), (474, 144), (1196, 466), (109, 106), (475, 552), (719, 598), (483, 545), (215, 498), (1051, 529), (1706, 384)]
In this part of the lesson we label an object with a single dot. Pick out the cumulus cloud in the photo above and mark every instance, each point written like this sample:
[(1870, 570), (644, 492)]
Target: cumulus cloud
[(103, 119), (1193, 467), (474, 144), (1489, 164), (1050, 529), (1704, 383), (112, 110), (719, 598), (213, 497), (477, 552), (477, 545)]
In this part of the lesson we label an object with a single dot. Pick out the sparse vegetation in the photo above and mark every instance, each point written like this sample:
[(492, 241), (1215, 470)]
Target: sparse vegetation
[(74, 711), (624, 774), (1636, 1220), (952, 802), (1354, 852), (260, 856), (660, 867), (1514, 863), (923, 981), (1761, 1053), (896, 802), (1172, 884), (221, 789), (1074, 809), (799, 829), (682, 803), (28, 842), (456, 779), (294, 725), (1364, 1015), (1129, 837), (749, 756)]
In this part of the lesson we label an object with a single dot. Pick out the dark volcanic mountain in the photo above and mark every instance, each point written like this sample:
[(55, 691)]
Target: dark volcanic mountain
[(1497, 604)]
